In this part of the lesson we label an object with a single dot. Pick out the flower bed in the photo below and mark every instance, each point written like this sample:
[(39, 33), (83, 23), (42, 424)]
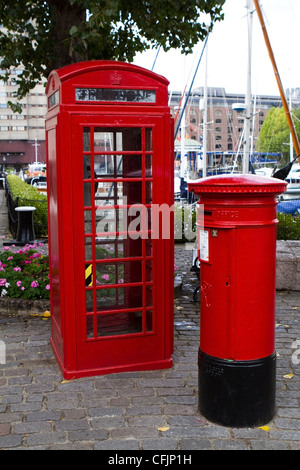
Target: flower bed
[(24, 273)]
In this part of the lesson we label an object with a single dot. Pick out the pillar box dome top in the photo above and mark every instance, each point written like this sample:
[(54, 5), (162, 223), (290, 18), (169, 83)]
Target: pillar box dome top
[(237, 184)]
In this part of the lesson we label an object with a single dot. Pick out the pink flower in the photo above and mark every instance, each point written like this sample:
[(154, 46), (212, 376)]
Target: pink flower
[(120, 281), (22, 288), (19, 283), (34, 284), (2, 282), (48, 286), (10, 257), (105, 277), (17, 269)]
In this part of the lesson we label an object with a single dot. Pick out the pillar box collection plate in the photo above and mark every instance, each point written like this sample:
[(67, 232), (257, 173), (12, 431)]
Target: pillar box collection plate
[(237, 253)]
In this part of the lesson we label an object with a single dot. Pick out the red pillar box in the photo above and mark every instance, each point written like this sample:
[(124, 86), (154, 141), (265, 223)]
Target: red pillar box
[(237, 244), (109, 160)]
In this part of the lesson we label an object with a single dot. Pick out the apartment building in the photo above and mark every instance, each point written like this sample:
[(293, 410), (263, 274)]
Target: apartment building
[(224, 125), (22, 136)]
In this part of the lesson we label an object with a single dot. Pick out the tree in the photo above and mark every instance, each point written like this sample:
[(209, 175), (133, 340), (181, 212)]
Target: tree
[(274, 135), (43, 35)]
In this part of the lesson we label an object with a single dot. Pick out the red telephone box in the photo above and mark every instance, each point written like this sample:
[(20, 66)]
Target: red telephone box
[(237, 253), (109, 160)]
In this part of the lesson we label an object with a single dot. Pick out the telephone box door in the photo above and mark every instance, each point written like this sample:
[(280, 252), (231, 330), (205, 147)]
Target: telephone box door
[(120, 305)]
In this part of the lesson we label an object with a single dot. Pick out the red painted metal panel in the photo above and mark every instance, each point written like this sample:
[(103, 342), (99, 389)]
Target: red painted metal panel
[(112, 160), (238, 265)]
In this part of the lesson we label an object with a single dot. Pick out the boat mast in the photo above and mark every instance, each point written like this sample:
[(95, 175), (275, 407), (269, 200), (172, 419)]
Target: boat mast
[(282, 95), (248, 94), (204, 174)]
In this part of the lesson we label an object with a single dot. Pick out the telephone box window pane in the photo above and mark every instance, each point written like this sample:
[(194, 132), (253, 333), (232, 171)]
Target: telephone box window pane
[(115, 94), (86, 167), (87, 189), (89, 300), (87, 222), (122, 193), (131, 166), (106, 220), (110, 273), (149, 271), (113, 220), (118, 166), (110, 193), (109, 166), (132, 138), (148, 166), (86, 139), (89, 326), (117, 248), (133, 191), (119, 273), (124, 323), (148, 192), (103, 140), (107, 250), (114, 298), (88, 248), (148, 136), (117, 140)]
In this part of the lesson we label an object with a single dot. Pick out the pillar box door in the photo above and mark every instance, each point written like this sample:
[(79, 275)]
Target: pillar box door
[(112, 296)]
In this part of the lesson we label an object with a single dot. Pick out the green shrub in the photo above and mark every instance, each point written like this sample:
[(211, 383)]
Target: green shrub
[(29, 196), (185, 223), (288, 227)]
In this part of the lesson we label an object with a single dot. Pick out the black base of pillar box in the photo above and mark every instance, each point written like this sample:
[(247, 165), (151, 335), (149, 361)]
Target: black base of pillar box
[(237, 393)]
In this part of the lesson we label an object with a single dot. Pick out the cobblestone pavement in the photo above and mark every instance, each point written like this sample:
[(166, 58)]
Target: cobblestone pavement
[(155, 410)]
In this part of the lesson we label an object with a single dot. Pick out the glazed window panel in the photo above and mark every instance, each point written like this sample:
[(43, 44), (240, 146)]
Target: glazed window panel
[(119, 273), (89, 300), (106, 249), (112, 298), (120, 166), (110, 193), (119, 323), (117, 190)]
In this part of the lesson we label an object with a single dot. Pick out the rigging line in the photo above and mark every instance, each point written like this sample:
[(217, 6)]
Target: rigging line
[(155, 59), (192, 83), (183, 94)]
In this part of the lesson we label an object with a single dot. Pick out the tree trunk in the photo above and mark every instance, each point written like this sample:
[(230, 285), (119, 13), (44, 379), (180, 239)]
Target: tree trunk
[(64, 16)]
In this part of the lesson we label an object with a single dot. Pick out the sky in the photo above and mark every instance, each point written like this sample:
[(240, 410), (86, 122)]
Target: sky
[(227, 52)]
